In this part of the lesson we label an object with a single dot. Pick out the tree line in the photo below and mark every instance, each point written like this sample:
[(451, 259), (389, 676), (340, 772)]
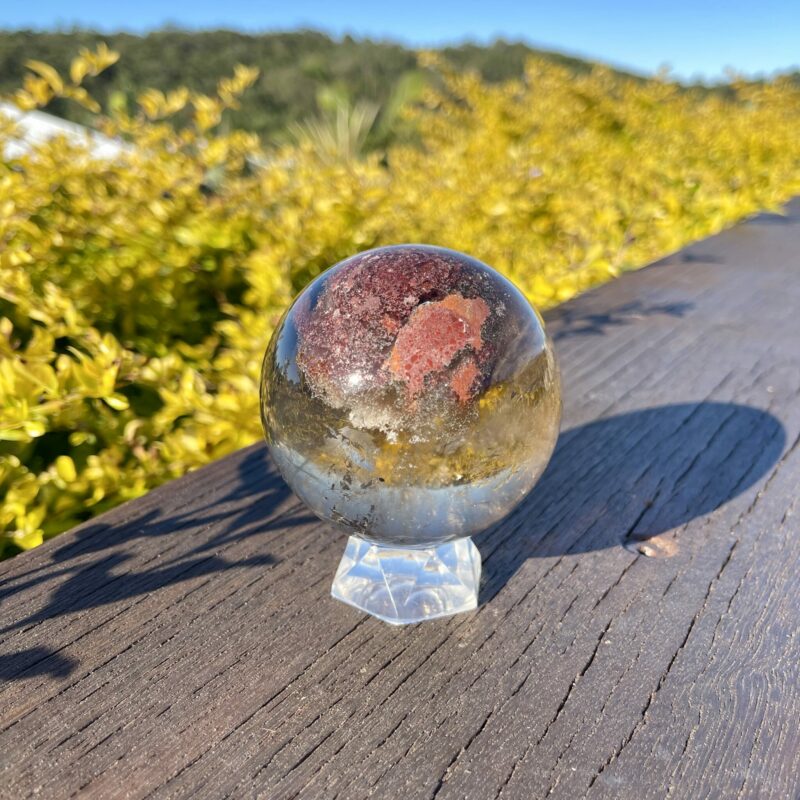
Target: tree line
[(296, 67)]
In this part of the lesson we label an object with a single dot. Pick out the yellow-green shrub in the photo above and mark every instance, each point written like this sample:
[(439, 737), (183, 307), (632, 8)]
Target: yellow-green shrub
[(138, 293)]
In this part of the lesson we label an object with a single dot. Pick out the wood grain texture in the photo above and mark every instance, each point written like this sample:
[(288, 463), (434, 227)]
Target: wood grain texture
[(638, 629)]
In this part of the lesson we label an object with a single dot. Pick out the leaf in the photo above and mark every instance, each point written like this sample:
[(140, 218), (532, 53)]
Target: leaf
[(35, 428), (65, 467), (38, 89), (79, 69), (152, 102), (24, 100), (82, 97), (27, 540), (105, 57), (13, 435), (48, 73), (117, 401)]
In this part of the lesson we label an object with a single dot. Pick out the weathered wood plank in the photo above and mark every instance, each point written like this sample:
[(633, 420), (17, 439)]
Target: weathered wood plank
[(638, 629)]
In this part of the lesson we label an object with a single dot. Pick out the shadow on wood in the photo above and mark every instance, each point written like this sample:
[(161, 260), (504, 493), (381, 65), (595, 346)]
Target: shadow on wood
[(35, 661), (668, 465), (96, 562), (665, 466), (578, 322)]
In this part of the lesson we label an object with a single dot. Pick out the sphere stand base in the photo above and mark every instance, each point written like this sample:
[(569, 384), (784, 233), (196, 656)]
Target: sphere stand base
[(401, 585)]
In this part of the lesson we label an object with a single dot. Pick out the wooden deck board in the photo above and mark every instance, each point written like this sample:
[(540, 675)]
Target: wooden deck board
[(638, 629)]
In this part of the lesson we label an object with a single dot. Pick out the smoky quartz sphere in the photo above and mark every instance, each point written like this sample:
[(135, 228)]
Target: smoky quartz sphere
[(410, 396)]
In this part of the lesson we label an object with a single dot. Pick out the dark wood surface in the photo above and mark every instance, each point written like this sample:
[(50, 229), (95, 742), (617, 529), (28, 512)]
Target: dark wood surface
[(637, 635)]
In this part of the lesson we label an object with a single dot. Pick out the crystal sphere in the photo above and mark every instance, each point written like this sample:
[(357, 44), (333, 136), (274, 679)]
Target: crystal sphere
[(410, 396)]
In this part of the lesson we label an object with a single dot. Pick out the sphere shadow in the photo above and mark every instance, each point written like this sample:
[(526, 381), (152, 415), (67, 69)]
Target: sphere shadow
[(632, 477)]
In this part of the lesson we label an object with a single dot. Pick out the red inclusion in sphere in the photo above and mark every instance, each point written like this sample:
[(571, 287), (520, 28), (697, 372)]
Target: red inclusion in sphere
[(414, 316)]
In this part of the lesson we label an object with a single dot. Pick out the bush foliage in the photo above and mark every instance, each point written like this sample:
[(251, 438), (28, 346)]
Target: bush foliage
[(137, 293)]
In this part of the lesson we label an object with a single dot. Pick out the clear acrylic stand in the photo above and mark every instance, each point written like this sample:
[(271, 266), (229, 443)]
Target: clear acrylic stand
[(401, 585)]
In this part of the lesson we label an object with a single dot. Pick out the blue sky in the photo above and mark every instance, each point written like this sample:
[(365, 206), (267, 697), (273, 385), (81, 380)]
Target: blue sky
[(694, 37)]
